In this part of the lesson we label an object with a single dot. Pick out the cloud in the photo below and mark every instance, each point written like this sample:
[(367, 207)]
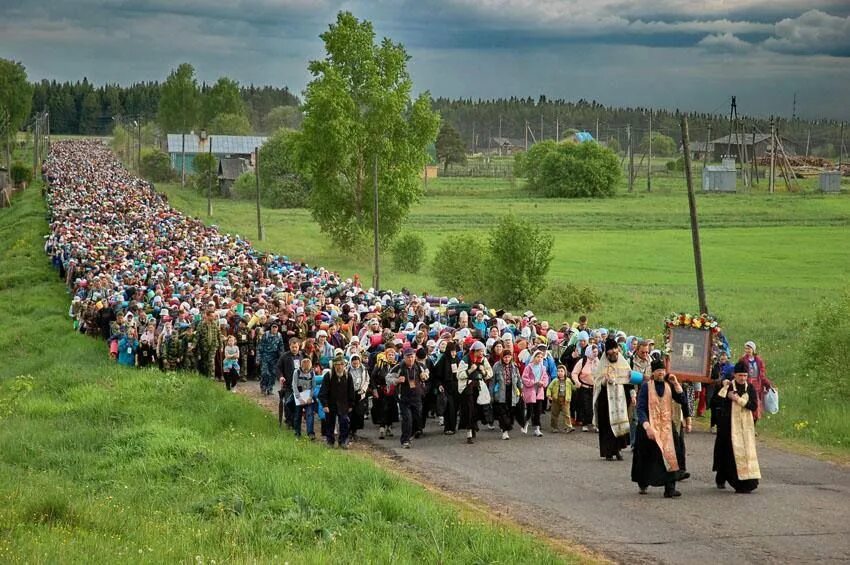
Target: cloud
[(724, 43), (812, 32)]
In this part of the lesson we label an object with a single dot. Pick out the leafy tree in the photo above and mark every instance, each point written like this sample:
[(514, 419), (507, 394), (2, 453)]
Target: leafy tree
[(826, 150), (222, 98), (613, 145), (179, 105), (20, 173), (358, 109), (527, 164), (289, 117), (15, 101), (458, 267), (571, 170), (229, 124), (156, 166), (517, 262), (282, 185), (450, 147), (206, 173), (662, 145), (408, 253)]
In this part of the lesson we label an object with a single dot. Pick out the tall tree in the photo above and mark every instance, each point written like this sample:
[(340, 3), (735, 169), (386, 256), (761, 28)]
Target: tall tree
[(289, 117), (15, 100), (178, 107), (358, 109), (450, 147), (229, 124), (222, 98)]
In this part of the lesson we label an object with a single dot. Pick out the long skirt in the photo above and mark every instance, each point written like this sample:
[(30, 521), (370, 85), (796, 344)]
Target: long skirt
[(385, 410), (469, 410), (609, 444)]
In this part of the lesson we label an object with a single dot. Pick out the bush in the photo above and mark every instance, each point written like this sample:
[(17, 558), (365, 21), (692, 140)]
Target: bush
[(205, 166), (828, 345), (458, 266), (20, 173), (571, 170), (677, 165), (244, 187), (567, 298), (156, 166), (408, 253), (662, 145), (517, 262)]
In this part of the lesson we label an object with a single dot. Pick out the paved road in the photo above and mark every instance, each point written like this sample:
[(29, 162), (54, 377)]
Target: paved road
[(558, 483)]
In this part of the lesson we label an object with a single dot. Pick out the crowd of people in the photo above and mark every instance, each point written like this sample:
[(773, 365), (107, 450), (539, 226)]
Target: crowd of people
[(164, 290)]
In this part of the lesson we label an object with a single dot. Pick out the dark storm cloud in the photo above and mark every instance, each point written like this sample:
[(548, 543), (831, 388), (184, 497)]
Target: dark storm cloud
[(509, 46)]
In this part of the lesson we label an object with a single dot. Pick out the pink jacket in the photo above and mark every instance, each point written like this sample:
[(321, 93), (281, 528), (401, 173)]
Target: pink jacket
[(528, 392)]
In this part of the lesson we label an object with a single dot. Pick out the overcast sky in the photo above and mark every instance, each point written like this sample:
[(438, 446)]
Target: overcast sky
[(688, 54)]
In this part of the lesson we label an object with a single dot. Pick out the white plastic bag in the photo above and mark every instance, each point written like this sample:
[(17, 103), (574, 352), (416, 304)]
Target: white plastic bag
[(771, 401)]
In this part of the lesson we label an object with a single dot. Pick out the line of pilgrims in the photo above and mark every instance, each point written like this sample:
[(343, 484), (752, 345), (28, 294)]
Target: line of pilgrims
[(165, 290)]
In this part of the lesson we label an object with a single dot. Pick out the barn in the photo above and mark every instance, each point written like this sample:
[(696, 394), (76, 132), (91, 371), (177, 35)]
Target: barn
[(758, 145)]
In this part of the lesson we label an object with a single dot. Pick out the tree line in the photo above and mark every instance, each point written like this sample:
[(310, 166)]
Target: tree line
[(480, 120), (81, 108)]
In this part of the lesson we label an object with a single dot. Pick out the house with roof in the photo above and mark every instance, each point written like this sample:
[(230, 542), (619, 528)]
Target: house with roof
[(222, 146)]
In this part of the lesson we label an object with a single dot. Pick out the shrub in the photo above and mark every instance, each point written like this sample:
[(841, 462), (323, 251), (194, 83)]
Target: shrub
[(156, 166), (828, 344), (408, 253), (244, 187), (571, 170), (518, 258), (677, 165), (20, 173), (568, 298), (662, 145), (458, 266)]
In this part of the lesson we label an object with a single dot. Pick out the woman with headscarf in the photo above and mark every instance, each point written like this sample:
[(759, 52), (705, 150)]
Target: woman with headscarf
[(472, 375), (756, 375), (735, 458), (535, 378), (507, 398), (582, 376)]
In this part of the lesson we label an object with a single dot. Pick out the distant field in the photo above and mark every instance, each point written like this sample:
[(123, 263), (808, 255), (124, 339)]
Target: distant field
[(769, 259)]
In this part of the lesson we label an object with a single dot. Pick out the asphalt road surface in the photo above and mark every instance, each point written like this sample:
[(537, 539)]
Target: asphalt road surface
[(558, 484)]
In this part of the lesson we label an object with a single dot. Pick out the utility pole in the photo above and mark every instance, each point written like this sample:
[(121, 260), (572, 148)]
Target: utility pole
[(631, 164), (557, 129), (526, 135), (47, 115), (257, 179), (841, 150), (733, 111), (754, 168), (692, 208), (139, 154), (34, 147), (209, 185), (541, 126), (772, 181), (473, 138), (808, 140), (707, 145), (500, 135), (649, 160), (794, 108), (183, 162), (597, 128), (376, 277)]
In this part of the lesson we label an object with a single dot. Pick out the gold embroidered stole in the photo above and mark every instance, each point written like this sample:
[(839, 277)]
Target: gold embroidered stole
[(661, 422), (744, 441)]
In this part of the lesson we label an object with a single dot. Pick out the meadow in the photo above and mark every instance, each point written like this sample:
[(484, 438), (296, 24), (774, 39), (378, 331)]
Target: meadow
[(769, 261), (103, 464)]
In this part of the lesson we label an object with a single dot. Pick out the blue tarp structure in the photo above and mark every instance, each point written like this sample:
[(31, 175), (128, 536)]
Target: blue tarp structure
[(583, 136)]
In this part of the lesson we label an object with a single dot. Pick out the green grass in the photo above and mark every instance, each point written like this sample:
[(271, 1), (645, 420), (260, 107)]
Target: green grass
[(103, 464), (768, 261)]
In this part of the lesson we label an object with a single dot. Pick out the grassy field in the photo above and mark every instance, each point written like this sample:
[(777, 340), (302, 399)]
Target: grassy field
[(103, 464), (769, 260)]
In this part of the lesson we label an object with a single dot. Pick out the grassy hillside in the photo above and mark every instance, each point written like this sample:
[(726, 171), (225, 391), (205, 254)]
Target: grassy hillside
[(768, 261), (103, 464)]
